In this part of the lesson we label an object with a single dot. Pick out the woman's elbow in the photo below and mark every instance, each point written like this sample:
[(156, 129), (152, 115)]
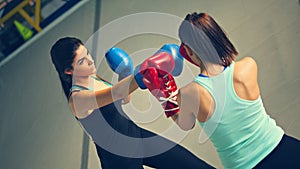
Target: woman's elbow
[(185, 127)]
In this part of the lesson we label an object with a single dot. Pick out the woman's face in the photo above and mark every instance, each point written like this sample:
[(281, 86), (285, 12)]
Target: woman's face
[(83, 63)]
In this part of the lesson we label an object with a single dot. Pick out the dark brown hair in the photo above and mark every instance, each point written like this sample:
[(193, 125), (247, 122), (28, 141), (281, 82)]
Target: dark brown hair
[(214, 34), (62, 55)]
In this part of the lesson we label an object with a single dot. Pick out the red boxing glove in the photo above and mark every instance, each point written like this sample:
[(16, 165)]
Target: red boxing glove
[(182, 51), (162, 85), (160, 61)]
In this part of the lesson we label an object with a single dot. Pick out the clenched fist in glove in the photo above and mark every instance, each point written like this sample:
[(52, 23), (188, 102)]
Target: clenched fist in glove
[(156, 76), (163, 86), (171, 49)]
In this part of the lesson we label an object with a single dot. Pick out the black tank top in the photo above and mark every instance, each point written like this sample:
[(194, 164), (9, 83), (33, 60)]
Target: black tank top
[(108, 120), (112, 115)]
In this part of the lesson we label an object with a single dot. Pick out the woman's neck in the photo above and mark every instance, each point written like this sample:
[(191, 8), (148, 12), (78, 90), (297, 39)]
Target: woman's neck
[(211, 69), (85, 81)]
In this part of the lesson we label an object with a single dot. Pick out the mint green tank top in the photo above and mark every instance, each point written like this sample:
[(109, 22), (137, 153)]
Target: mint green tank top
[(241, 131)]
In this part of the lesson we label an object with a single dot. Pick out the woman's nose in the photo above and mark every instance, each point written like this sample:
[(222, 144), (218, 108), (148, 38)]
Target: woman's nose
[(90, 60)]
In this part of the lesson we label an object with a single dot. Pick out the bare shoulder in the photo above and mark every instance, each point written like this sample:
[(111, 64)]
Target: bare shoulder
[(76, 104), (189, 89), (245, 79), (194, 90), (71, 104), (192, 93), (188, 95), (245, 67), (246, 63)]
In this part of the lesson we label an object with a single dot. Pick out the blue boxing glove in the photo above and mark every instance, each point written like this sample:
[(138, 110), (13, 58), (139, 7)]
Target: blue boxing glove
[(173, 50), (120, 62)]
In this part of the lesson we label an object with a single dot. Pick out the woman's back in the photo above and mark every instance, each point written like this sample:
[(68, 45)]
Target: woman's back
[(238, 122)]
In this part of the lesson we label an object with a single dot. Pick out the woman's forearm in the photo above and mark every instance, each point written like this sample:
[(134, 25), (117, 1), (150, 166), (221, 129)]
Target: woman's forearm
[(123, 88)]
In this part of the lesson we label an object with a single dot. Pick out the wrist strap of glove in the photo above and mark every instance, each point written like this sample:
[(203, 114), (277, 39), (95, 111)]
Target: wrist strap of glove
[(139, 77)]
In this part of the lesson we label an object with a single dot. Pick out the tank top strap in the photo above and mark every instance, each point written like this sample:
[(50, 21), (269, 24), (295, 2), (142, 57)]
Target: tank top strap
[(77, 88)]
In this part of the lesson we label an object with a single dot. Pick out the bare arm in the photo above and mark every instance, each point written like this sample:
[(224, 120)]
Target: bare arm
[(125, 100), (89, 100), (186, 117)]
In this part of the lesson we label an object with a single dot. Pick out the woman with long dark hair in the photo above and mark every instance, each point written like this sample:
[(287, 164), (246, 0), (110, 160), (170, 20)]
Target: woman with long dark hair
[(96, 104)]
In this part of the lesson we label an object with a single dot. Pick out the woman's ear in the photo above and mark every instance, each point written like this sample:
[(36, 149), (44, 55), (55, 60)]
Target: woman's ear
[(68, 71)]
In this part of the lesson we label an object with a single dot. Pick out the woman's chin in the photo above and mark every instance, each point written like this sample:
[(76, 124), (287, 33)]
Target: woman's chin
[(94, 70)]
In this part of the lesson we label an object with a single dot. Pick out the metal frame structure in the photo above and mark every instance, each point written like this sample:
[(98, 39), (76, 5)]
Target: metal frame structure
[(35, 23)]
